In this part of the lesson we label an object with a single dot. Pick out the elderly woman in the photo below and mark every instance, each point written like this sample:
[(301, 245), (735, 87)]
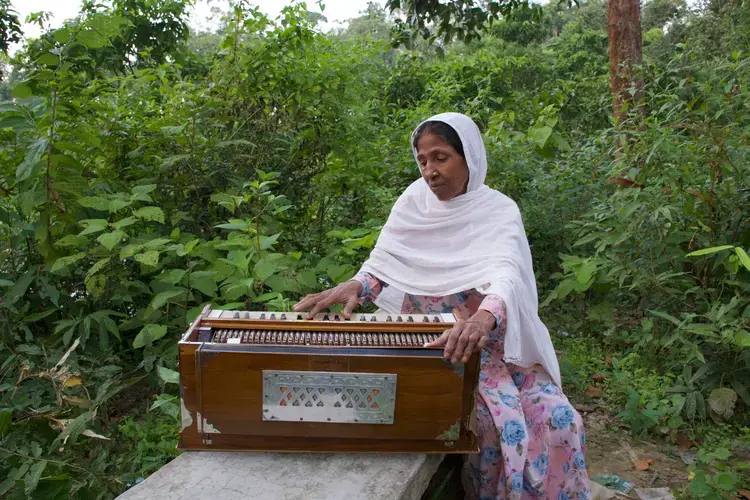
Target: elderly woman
[(452, 244)]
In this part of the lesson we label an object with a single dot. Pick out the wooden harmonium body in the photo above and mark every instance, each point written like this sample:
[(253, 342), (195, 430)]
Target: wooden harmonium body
[(277, 382)]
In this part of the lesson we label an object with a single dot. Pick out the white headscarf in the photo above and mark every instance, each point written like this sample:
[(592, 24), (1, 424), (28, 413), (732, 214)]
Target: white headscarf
[(437, 248)]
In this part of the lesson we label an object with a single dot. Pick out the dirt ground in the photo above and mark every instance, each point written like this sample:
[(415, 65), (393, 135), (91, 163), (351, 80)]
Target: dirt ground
[(611, 450)]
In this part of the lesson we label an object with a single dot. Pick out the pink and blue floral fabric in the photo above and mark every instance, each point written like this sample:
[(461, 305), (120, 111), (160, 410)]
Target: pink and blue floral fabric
[(532, 441)]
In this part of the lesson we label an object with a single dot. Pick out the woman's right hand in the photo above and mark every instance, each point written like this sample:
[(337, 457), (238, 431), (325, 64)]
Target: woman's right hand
[(346, 293)]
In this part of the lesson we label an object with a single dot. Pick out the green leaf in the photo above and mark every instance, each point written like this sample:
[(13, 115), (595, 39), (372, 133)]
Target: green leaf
[(145, 189), (166, 404), (707, 251), (71, 240), (65, 262), (266, 242), (722, 453), (742, 338), (117, 204), (48, 59), (236, 142), (168, 376), (265, 268), (20, 287), (21, 91), (564, 288), (203, 281), (700, 404), (149, 334), (235, 224), (92, 226), (128, 221), (699, 486), (156, 243), (309, 278), (722, 401), (33, 155), (172, 131), (6, 418), (31, 480), (32, 318), (72, 430), (725, 481), (162, 298), (130, 250), (150, 213), (744, 259), (92, 39), (172, 276), (171, 160), (690, 405), (540, 135), (61, 35), (141, 197), (148, 258), (111, 240), (666, 316), (98, 266), (95, 202), (9, 482), (584, 273), (740, 388)]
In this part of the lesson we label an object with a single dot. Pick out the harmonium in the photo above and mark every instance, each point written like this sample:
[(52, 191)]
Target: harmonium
[(275, 381)]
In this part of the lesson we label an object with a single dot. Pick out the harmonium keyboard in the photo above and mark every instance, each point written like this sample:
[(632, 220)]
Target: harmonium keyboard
[(275, 381)]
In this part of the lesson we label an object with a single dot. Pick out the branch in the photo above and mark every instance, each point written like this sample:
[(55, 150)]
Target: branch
[(50, 188)]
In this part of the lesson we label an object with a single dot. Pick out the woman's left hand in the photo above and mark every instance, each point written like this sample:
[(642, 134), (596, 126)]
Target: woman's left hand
[(466, 336)]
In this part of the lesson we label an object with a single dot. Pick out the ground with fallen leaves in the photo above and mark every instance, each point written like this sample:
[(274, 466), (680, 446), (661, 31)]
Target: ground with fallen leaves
[(611, 450)]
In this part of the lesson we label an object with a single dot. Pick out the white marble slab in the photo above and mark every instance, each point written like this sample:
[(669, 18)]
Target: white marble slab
[(286, 476)]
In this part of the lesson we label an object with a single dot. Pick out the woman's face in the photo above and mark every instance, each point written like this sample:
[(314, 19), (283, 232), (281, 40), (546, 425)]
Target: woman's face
[(442, 167)]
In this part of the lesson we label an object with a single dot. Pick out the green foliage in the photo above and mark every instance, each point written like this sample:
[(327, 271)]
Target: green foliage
[(10, 27), (144, 178), (716, 474)]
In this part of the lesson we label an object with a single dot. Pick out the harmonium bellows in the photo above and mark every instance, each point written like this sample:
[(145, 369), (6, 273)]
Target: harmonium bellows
[(275, 381)]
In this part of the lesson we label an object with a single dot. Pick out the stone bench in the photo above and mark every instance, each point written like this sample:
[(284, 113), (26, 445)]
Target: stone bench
[(288, 476)]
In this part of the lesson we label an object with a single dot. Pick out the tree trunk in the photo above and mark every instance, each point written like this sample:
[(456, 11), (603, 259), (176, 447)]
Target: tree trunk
[(625, 56)]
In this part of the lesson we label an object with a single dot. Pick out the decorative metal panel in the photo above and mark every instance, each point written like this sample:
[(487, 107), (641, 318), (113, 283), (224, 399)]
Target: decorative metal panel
[(336, 397)]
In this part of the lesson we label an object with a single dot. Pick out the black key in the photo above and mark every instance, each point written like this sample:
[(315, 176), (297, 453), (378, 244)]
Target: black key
[(326, 318), (362, 318), (426, 319), (411, 320), (283, 316), (399, 319), (236, 315), (336, 318), (389, 318), (373, 318), (262, 315), (299, 317), (273, 316), (247, 315)]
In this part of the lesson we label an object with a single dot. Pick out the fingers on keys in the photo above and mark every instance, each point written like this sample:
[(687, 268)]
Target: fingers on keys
[(351, 303), (306, 302), (452, 344), (440, 341)]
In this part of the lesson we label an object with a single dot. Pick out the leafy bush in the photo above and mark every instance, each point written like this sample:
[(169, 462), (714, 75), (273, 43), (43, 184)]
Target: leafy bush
[(261, 165)]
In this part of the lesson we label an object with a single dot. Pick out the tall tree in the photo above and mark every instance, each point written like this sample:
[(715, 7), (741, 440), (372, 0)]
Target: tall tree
[(10, 28), (463, 20), (455, 19), (625, 55)]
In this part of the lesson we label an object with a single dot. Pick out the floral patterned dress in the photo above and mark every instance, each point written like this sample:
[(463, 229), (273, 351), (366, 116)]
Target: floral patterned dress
[(532, 442)]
